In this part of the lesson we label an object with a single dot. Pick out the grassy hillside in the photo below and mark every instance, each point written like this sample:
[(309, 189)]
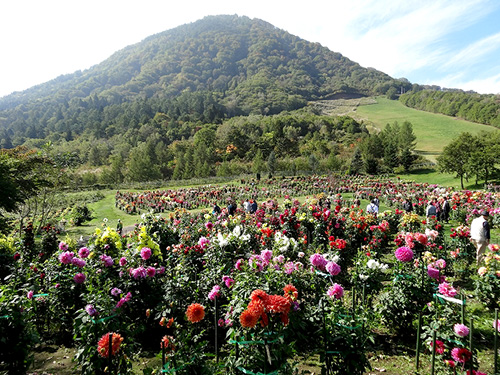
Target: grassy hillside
[(433, 131)]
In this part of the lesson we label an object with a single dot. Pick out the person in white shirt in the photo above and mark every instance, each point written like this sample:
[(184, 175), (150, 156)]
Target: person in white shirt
[(480, 234), (372, 208)]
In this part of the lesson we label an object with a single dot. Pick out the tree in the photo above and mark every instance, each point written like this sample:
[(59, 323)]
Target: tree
[(258, 165), (140, 167), (456, 156), (271, 163)]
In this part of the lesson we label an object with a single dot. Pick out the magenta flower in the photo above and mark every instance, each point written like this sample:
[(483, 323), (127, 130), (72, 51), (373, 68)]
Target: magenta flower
[(145, 253), (83, 252), (439, 346), (63, 246), (203, 242), (447, 289), (138, 273), (123, 261), (461, 330), (108, 261), (151, 271), (256, 263), (116, 292), (404, 254), (318, 261), (90, 309), (496, 324), (80, 263), (333, 268), (214, 292), (79, 278), (289, 267), (30, 294), (228, 281), (336, 291), (441, 264), (239, 264), (461, 355), (66, 257), (209, 225), (161, 270), (266, 255)]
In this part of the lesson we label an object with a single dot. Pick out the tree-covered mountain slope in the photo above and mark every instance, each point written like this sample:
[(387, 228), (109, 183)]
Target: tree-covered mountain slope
[(217, 67)]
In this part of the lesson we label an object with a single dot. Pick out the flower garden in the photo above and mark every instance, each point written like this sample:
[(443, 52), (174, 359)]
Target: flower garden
[(253, 293)]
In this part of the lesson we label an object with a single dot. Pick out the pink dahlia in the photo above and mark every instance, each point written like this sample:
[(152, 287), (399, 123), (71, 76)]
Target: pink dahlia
[(79, 278), (145, 253), (461, 330), (336, 291), (66, 257), (461, 355), (447, 289), (404, 254), (333, 268)]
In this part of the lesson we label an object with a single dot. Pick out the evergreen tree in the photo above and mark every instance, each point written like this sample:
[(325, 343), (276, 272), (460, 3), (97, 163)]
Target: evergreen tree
[(271, 163)]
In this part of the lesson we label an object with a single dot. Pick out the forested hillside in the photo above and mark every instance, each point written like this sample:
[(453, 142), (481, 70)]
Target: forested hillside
[(484, 109), (218, 67)]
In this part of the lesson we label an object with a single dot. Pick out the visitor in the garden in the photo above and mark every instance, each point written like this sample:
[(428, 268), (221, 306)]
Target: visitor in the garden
[(231, 208), (253, 206), (119, 227), (431, 209), (408, 205), (445, 209), (247, 206), (480, 234), (372, 208), (216, 210)]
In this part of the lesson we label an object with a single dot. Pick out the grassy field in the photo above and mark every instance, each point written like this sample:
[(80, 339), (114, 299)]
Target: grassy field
[(433, 131)]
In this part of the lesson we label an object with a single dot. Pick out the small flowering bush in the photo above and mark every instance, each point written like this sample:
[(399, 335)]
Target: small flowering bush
[(487, 278)]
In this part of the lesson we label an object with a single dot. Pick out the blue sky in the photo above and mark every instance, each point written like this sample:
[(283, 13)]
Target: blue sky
[(453, 43)]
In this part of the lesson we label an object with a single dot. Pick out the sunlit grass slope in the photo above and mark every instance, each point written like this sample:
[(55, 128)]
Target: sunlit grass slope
[(433, 131)]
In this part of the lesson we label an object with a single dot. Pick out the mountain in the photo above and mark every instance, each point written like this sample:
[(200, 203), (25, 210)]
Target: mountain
[(241, 65)]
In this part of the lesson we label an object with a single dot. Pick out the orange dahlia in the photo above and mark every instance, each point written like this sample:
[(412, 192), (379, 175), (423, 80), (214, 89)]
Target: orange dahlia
[(291, 292), (195, 312), (248, 319), (256, 306), (277, 304), (258, 294), (167, 342), (103, 344)]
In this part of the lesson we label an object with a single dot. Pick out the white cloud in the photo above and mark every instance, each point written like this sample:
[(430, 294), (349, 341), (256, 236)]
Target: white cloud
[(474, 52)]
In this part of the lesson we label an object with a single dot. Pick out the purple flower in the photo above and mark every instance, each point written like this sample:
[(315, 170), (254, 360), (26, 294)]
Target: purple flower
[(80, 263), (30, 294), (145, 253), (116, 292), (336, 291), (203, 242), (256, 263), (138, 273), (228, 281), (90, 309), (404, 254), (289, 267), (496, 325), (151, 271), (239, 264), (266, 255), (279, 259), (318, 261), (83, 252), (63, 246), (333, 268), (214, 292), (123, 261), (461, 330), (441, 264), (447, 289), (79, 278), (108, 261), (161, 270), (66, 257)]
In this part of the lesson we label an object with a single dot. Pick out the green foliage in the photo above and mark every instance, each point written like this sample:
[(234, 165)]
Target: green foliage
[(80, 214), (474, 107)]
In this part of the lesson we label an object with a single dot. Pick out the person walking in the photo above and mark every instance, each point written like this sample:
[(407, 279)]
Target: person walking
[(480, 234)]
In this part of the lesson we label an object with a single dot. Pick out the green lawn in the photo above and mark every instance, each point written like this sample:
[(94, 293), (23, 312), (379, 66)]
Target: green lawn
[(433, 131)]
